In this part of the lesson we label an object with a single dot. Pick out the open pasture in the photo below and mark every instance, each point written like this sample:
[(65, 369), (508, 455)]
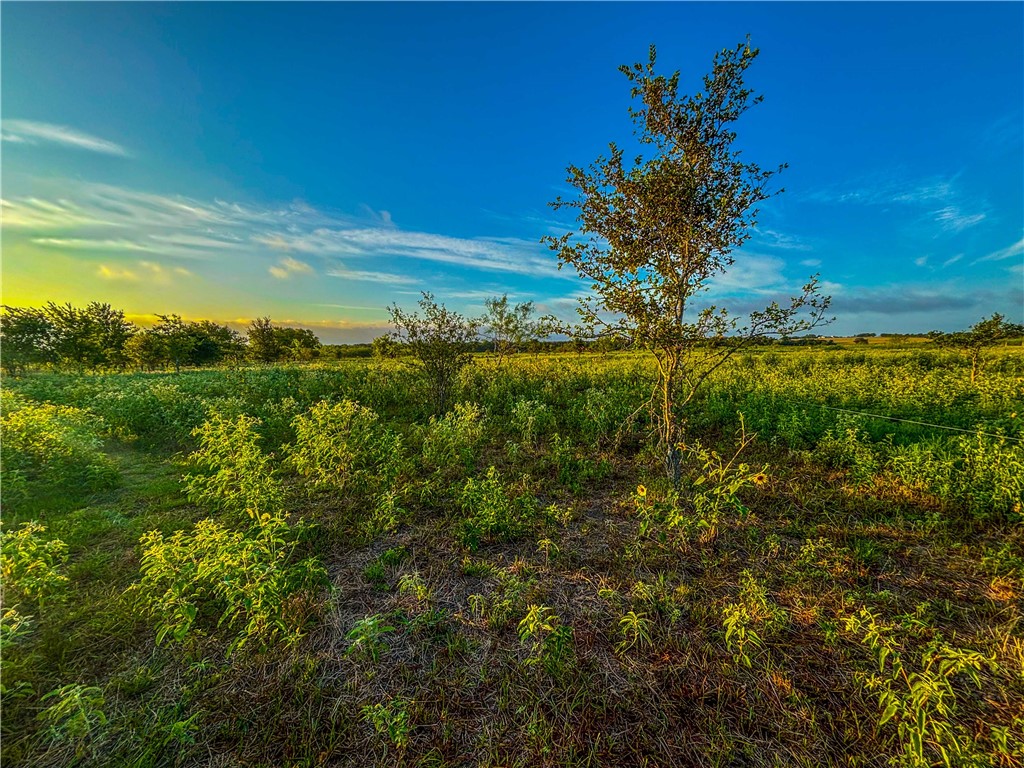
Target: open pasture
[(303, 565)]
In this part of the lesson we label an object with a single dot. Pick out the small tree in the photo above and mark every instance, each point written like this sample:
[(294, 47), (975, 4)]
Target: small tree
[(297, 343), (264, 344), (176, 342), (26, 338), (146, 349), (654, 232), (441, 340), (972, 343), (509, 327), (385, 348)]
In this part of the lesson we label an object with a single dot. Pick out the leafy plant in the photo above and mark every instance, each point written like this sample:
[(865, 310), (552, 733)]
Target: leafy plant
[(530, 419), (390, 720), (31, 565), (750, 620), (75, 715), (491, 513), (453, 439), (50, 447), (344, 445), (550, 640), (413, 584), (635, 629), (921, 701), (235, 475), (249, 579), (366, 638)]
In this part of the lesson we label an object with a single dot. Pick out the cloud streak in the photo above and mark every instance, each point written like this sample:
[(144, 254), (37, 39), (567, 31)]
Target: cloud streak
[(1010, 251), (31, 132), (143, 272), (96, 217), (287, 267), (892, 190)]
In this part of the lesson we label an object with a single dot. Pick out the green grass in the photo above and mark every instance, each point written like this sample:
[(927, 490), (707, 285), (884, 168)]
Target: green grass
[(653, 640)]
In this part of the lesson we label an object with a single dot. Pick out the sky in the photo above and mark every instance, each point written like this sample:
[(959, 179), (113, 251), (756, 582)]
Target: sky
[(317, 162)]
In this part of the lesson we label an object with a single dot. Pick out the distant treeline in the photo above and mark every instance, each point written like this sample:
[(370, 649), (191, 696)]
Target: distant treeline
[(98, 337)]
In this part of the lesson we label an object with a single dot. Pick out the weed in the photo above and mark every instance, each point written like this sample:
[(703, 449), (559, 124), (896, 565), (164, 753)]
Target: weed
[(550, 640), (390, 720), (235, 474), (635, 629), (366, 638)]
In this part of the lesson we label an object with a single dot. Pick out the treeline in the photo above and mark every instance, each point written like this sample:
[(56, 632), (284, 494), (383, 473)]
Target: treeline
[(98, 337)]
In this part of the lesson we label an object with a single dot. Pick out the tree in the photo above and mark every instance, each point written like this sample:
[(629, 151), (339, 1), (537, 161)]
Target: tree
[(93, 337), (441, 340), (509, 327), (146, 350), (176, 341), (264, 346), (385, 348), (653, 234), (215, 343), (26, 338), (985, 333), (297, 343)]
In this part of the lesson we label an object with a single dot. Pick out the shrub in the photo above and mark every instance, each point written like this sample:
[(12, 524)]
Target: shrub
[(344, 445), (50, 447), (530, 420), (246, 578), (235, 474), (492, 514), (986, 474), (454, 438), (31, 566)]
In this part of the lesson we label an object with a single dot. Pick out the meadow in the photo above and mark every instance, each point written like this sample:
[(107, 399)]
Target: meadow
[(302, 565)]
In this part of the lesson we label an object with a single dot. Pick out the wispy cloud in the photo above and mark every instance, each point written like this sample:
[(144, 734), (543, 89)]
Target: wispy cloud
[(287, 267), (31, 132), (84, 216), (1016, 249), (143, 271), (85, 244), (490, 254), (953, 219), (753, 273), (364, 276), (952, 260), (957, 212), (886, 189), (770, 238)]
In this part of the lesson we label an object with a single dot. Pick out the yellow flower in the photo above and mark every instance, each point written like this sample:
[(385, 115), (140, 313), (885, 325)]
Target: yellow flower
[(641, 491), (759, 479)]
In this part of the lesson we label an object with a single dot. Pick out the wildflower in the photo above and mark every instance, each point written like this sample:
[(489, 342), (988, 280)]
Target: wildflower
[(759, 479), (641, 491)]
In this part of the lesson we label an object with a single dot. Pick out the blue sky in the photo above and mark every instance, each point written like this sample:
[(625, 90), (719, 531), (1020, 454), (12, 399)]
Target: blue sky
[(316, 162)]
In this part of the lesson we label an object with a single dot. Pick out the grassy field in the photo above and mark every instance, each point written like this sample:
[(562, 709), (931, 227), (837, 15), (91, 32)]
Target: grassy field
[(303, 566)]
